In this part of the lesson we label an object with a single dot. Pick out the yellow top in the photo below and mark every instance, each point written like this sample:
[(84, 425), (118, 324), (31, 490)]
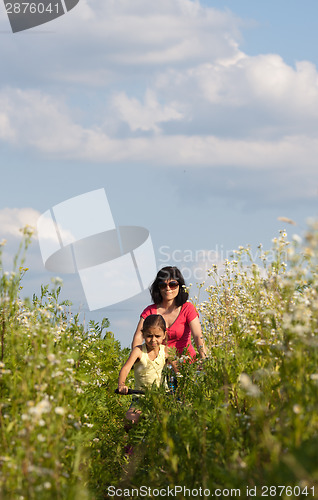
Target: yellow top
[(147, 371)]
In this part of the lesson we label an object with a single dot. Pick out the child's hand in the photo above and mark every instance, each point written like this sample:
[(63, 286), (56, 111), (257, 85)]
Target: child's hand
[(123, 389)]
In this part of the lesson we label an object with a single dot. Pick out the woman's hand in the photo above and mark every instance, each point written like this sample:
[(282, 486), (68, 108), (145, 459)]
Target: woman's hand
[(196, 332), (200, 363)]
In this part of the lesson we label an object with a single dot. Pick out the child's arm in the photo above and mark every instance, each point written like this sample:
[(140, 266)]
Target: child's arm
[(133, 357)]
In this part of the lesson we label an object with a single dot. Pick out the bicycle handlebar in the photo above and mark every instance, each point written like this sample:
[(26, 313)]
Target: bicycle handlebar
[(130, 391)]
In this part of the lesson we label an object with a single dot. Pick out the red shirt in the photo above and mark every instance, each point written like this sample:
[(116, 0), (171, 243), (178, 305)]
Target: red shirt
[(179, 333)]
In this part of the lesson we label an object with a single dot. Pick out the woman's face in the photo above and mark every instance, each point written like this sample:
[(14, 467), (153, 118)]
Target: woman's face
[(169, 289)]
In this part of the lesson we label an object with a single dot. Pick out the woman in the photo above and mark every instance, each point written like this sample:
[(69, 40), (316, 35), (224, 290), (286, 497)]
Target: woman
[(182, 319)]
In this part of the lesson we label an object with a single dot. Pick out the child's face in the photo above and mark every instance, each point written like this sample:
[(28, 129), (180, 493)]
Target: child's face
[(154, 337)]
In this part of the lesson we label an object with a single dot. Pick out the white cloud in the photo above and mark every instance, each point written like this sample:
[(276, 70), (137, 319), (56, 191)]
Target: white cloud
[(158, 32), (6, 131), (252, 98), (113, 38), (199, 100), (144, 116), (204, 151), (12, 220), (39, 121), (256, 96), (45, 123)]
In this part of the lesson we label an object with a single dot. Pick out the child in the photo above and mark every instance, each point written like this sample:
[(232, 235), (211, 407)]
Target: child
[(147, 359)]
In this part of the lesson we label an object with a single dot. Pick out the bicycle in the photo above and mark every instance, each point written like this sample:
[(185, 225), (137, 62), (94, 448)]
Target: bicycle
[(130, 391)]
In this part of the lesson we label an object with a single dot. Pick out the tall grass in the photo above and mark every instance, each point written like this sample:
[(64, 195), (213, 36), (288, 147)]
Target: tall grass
[(59, 420), (246, 417)]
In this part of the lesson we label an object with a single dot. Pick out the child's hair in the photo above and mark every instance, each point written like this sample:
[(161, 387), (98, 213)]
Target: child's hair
[(154, 320)]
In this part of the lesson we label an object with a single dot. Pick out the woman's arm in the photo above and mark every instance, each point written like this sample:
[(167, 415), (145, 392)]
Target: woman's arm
[(134, 355), (196, 332), (138, 338)]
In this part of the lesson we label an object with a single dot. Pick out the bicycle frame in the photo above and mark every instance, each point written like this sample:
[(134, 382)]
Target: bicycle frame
[(130, 391)]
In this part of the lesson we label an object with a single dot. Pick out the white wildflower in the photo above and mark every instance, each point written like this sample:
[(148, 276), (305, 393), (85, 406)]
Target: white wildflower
[(248, 386), (59, 410), (244, 380), (52, 359), (57, 281), (43, 406), (297, 239), (261, 342)]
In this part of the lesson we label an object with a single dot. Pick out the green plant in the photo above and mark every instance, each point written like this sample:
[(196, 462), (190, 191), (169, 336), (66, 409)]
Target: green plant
[(245, 418)]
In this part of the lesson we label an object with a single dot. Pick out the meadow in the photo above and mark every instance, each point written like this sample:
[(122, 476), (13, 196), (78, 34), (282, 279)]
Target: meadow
[(242, 423)]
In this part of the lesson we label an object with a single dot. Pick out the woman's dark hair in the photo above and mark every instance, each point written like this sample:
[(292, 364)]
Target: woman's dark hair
[(154, 320), (169, 273)]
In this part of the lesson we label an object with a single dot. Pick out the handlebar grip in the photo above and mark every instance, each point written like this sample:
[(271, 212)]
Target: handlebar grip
[(130, 391)]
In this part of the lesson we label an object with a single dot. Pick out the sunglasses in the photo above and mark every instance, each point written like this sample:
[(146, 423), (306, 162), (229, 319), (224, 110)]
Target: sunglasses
[(172, 285)]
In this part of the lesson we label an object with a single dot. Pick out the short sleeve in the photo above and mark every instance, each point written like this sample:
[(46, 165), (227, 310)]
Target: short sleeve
[(191, 312), (152, 309)]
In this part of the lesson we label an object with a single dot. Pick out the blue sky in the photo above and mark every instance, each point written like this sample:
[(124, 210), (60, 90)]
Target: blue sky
[(199, 119)]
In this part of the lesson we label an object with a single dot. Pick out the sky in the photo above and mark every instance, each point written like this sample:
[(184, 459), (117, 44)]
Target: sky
[(198, 118)]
